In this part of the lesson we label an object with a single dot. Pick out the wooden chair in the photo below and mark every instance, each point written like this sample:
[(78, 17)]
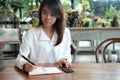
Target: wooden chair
[(106, 54), (91, 37), (8, 19), (9, 33)]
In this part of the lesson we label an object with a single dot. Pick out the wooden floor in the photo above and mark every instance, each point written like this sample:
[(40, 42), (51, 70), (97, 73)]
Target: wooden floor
[(79, 59)]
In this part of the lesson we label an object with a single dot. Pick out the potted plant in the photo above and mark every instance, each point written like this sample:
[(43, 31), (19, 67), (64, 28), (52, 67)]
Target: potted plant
[(85, 22), (114, 22), (101, 22), (111, 15), (72, 18)]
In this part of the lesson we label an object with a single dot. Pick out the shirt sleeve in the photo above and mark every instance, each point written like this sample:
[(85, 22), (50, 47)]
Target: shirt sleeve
[(67, 50), (24, 50), (63, 50)]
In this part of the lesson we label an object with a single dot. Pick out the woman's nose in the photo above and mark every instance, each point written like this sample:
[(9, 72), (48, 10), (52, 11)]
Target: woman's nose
[(48, 16)]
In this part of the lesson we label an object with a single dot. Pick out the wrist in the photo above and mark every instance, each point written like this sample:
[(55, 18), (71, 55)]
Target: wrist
[(64, 59), (23, 67)]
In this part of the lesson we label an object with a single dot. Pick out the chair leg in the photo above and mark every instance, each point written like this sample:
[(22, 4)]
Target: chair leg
[(96, 57), (74, 57)]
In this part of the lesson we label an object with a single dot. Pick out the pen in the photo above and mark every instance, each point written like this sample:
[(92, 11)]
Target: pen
[(27, 60)]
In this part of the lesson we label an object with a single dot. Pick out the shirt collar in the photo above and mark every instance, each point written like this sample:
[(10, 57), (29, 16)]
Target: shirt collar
[(43, 36)]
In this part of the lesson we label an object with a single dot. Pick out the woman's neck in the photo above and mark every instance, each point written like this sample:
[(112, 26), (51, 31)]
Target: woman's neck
[(49, 31)]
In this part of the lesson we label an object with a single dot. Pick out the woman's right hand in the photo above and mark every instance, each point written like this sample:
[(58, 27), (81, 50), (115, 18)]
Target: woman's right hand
[(29, 67)]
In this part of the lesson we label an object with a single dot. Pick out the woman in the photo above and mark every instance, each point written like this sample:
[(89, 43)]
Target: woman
[(49, 42)]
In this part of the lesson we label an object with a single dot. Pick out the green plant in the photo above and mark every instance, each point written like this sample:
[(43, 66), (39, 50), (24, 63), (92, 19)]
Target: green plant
[(102, 22), (111, 14), (85, 5), (28, 5), (35, 22), (86, 20)]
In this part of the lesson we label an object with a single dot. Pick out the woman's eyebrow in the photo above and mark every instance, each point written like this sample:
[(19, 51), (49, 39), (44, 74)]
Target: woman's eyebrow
[(44, 10)]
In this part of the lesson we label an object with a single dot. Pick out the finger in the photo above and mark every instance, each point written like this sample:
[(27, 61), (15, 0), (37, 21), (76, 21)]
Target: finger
[(60, 64), (29, 67), (34, 67), (70, 65), (66, 65), (36, 64)]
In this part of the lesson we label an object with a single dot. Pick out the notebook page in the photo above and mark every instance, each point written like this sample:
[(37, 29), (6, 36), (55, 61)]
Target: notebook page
[(45, 70)]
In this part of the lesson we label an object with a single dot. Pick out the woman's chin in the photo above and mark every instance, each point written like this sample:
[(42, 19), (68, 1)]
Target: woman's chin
[(47, 25)]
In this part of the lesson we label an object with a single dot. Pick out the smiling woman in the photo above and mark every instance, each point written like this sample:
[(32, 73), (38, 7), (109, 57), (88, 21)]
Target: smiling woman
[(49, 41)]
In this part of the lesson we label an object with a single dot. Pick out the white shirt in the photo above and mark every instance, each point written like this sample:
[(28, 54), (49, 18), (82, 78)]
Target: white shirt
[(38, 47)]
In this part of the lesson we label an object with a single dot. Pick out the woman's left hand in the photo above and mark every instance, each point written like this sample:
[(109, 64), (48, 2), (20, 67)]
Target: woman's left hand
[(65, 63)]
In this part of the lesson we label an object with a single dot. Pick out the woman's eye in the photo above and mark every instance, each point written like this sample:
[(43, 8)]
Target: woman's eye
[(52, 14), (44, 12)]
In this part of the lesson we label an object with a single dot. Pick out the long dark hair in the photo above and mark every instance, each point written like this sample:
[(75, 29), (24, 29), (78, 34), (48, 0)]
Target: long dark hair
[(56, 9)]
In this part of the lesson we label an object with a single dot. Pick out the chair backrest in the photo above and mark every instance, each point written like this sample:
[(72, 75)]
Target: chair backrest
[(106, 54), (8, 19), (9, 31)]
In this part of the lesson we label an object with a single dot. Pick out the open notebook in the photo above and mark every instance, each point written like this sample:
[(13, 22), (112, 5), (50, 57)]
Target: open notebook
[(45, 70)]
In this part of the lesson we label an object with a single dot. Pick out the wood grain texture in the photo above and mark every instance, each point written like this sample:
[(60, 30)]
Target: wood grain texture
[(88, 71)]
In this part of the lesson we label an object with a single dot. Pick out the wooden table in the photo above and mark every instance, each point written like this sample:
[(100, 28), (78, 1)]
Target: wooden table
[(83, 71)]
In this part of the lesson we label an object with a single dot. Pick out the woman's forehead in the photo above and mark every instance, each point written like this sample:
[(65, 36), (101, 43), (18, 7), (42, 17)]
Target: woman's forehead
[(48, 10), (45, 8)]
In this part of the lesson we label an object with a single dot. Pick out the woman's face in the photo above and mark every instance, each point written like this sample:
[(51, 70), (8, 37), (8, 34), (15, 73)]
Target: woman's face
[(48, 18)]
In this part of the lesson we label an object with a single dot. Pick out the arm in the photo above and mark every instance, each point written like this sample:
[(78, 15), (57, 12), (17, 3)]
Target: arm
[(66, 57), (24, 50)]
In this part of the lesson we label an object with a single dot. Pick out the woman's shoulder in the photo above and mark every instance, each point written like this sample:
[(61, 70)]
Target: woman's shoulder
[(67, 29), (34, 30)]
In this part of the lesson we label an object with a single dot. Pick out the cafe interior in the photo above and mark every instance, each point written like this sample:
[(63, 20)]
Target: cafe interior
[(93, 24)]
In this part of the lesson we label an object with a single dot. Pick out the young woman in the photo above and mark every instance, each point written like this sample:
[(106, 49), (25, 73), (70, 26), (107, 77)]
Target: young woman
[(49, 42)]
